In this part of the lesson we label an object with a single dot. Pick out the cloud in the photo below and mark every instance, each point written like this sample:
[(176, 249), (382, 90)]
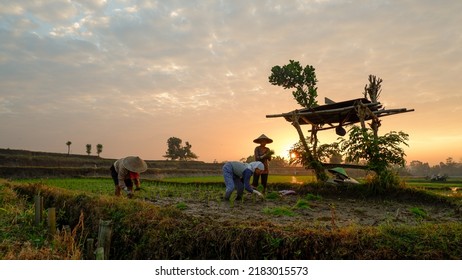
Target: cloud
[(166, 63)]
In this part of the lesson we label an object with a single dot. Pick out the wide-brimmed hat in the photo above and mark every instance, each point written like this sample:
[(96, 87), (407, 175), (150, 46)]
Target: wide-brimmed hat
[(263, 139), (135, 164)]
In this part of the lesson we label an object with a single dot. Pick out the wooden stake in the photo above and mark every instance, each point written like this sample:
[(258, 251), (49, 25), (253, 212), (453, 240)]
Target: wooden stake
[(89, 252), (52, 221), (100, 253), (38, 201), (104, 237)]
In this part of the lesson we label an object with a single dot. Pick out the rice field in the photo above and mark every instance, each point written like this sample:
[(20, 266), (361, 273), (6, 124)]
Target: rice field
[(196, 202)]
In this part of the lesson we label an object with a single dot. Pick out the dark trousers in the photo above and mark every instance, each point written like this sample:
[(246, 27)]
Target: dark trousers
[(115, 178), (264, 180)]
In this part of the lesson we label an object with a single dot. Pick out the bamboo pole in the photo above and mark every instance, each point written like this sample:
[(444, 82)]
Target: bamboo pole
[(104, 236), (52, 221), (38, 201)]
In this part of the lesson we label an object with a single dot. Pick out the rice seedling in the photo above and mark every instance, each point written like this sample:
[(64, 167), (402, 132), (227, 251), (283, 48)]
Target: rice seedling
[(279, 211), (181, 206), (419, 213), (302, 204), (311, 197)]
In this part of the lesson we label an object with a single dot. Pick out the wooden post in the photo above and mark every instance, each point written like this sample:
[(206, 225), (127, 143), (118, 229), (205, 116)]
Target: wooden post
[(52, 221), (104, 237), (360, 112), (100, 253), (38, 201), (89, 249)]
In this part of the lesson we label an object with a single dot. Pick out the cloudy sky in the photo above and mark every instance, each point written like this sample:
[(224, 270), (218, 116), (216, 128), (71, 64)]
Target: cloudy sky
[(130, 74)]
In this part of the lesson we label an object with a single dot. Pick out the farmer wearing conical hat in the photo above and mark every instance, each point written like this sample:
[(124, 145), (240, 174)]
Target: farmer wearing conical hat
[(263, 154), (125, 172)]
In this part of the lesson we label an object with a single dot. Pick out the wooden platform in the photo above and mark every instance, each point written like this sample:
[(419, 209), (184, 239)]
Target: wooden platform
[(337, 114)]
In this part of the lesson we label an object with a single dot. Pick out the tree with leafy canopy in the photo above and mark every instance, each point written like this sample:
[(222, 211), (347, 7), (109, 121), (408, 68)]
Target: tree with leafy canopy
[(381, 153), (303, 82), (88, 146), (99, 149), (176, 151)]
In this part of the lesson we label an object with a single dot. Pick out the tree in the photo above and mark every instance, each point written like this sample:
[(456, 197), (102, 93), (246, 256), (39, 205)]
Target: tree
[(279, 161), (173, 148), (276, 161), (419, 168), (380, 153), (88, 149), (176, 151), (373, 91), (187, 153), (294, 76), (68, 143), (324, 153), (99, 149), (303, 80)]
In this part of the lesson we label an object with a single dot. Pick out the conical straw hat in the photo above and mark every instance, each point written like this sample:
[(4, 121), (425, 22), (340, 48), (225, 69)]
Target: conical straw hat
[(339, 170), (263, 139), (135, 164)]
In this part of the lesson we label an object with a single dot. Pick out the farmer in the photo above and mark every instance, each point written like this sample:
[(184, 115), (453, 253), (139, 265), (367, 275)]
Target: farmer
[(237, 175), (263, 154), (125, 172)]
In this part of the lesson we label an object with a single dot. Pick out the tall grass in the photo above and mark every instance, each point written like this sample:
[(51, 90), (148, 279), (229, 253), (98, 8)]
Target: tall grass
[(145, 231), (22, 240)]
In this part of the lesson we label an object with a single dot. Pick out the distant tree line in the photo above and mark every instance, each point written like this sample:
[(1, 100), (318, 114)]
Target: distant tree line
[(449, 168), (276, 161), (99, 148)]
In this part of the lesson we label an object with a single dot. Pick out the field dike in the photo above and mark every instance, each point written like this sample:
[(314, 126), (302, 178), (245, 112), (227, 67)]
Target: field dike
[(147, 231)]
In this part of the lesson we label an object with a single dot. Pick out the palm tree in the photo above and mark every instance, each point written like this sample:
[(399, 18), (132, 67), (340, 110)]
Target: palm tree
[(68, 143)]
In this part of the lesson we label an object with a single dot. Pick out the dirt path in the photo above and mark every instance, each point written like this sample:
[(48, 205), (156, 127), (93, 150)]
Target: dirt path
[(326, 212)]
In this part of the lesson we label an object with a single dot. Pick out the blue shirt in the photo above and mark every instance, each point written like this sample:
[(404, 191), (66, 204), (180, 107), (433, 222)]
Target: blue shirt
[(246, 179)]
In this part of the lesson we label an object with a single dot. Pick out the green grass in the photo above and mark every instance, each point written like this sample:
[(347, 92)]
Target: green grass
[(272, 196), (302, 204), (451, 188), (279, 211), (217, 179), (95, 185), (310, 197), (211, 187), (418, 212), (181, 206), (427, 183), (22, 239), (204, 187)]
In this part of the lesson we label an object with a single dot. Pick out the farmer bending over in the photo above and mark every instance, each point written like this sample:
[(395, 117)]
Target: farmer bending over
[(125, 172), (237, 175)]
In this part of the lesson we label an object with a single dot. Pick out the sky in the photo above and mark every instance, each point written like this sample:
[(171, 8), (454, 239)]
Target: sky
[(131, 74)]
